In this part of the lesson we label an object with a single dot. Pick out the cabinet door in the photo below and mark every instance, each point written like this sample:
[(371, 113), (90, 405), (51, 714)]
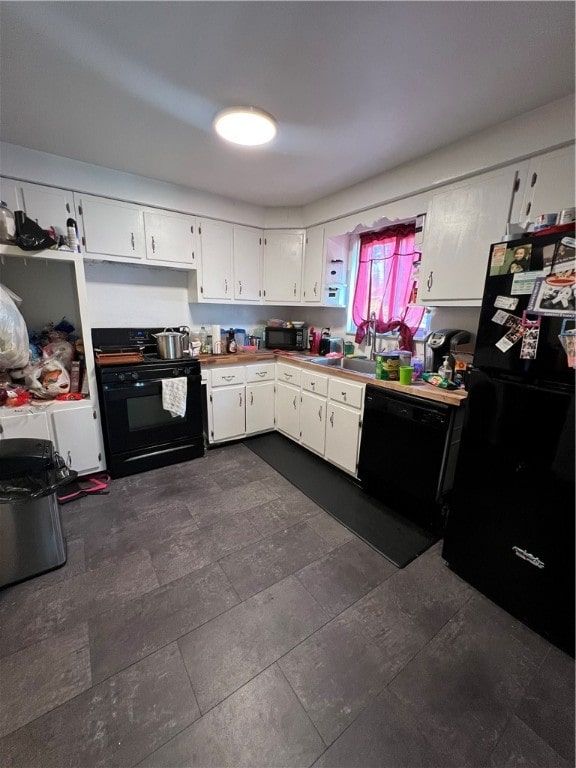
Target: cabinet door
[(47, 206), (288, 410), (171, 237), (313, 422), (110, 227), (25, 425), (260, 401), (549, 183), (247, 264), (461, 224), (216, 244), (282, 269), (77, 438), (228, 413), (342, 436), (313, 266)]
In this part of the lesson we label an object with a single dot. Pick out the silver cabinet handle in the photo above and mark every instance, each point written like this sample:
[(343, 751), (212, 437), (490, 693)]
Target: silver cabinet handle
[(332, 419), (260, 373), (320, 413), (240, 396), (153, 245), (69, 459), (228, 378), (240, 287), (316, 288), (288, 375), (294, 403), (312, 384), (193, 256), (225, 285), (294, 289), (132, 240), (251, 398), (343, 396), (430, 281)]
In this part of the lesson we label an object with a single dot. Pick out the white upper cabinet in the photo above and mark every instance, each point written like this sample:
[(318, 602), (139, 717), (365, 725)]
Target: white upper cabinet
[(462, 222), (171, 237), (282, 270), (549, 185), (247, 260), (313, 266), (110, 227), (47, 206), (216, 246)]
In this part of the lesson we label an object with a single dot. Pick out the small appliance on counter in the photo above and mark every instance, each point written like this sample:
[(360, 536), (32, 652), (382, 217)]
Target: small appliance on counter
[(440, 343), (330, 344), (277, 337)]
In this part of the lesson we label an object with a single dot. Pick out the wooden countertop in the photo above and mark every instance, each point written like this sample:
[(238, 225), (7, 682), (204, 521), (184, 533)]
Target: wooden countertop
[(423, 390)]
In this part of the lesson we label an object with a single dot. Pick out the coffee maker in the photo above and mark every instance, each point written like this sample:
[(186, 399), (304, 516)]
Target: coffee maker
[(441, 343)]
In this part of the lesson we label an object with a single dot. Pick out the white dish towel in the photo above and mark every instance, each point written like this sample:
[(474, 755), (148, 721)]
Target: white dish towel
[(174, 393)]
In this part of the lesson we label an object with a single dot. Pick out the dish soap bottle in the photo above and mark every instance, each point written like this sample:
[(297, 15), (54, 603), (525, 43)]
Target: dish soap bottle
[(445, 369), (231, 346), (203, 336)]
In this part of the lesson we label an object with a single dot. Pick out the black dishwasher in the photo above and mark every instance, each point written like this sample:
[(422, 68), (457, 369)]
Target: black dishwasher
[(408, 453)]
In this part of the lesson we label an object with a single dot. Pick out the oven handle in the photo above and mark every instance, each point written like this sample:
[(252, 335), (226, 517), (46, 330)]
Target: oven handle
[(123, 390)]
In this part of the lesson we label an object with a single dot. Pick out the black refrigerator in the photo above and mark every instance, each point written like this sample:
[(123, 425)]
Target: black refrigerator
[(510, 527)]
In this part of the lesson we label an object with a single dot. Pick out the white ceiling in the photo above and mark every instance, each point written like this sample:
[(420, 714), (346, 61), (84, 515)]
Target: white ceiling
[(357, 87)]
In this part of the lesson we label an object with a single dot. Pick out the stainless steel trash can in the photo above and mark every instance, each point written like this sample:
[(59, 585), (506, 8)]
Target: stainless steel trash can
[(31, 539)]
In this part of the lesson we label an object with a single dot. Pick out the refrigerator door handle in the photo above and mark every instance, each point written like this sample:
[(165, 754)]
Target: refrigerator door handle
[(524, 555)]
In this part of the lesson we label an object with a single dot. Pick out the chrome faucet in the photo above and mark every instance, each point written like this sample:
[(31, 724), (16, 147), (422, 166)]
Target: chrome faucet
[(372, 335)]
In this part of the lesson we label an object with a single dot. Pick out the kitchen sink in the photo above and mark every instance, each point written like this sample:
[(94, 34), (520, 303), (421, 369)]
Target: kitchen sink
[(365, 367)]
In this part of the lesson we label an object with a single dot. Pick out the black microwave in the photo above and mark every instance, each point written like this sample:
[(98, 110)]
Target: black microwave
[(286, 338)]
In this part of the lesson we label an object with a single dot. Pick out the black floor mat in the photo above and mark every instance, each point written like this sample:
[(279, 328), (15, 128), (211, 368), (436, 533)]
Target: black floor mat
[(394, 536)]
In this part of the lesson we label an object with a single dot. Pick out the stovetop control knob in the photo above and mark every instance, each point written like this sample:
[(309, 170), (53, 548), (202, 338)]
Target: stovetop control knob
[(121, 376), (187, 371), (175, 371), (134, 375)]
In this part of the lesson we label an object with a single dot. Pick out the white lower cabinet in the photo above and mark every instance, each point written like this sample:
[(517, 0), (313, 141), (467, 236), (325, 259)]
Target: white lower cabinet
[(343, 427), (344, 423), (241, 400), (25, 424), (77, 438), (260, 410), (73, 428), (288, 409), (228, 412), (313, 422)]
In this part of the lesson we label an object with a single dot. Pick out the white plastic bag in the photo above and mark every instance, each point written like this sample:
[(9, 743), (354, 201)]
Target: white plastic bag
[(14, 352), (47, 379)]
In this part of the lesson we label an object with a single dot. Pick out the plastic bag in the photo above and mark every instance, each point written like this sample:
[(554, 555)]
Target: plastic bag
[(48, 379), (14, 352), (61, 350)]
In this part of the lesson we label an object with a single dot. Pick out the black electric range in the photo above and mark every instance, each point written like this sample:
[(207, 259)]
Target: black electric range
[(139, 432)]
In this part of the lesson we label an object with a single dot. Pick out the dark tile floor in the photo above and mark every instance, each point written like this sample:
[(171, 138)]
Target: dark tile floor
[(209, 614)]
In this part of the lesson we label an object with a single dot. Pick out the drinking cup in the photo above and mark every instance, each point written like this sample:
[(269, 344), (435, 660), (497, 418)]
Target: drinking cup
[(406, 372)]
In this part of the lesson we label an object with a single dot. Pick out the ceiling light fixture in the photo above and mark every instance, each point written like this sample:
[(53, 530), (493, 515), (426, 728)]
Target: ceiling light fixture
[(245, 125)]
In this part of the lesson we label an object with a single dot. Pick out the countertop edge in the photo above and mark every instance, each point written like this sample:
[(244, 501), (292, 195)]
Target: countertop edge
[(423, 390)]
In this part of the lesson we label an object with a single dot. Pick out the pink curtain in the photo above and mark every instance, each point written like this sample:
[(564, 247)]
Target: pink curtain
[(384, 284)]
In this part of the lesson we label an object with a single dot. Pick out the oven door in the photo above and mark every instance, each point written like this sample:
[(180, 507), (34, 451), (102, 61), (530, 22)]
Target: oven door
[(135, 417)]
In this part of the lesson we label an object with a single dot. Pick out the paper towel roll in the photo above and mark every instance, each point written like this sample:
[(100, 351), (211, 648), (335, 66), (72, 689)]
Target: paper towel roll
[(216, 340)]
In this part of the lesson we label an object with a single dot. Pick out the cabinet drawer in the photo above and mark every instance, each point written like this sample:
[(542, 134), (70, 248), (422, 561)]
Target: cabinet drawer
[(261, 372), (289, 373), (314, 382), (222, 377), (342, 391)]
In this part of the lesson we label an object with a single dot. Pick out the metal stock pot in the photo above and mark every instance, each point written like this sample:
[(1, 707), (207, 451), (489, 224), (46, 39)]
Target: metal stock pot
[(170, 344)]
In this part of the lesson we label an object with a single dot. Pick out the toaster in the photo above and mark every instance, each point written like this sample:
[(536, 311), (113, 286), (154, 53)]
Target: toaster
[(331, 344)]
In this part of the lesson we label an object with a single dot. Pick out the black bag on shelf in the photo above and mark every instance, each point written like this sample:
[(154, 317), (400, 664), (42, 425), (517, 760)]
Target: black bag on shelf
[(29, 235)]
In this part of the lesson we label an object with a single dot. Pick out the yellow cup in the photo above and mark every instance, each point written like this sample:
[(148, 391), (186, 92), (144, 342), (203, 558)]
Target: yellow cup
[(406, 372)]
